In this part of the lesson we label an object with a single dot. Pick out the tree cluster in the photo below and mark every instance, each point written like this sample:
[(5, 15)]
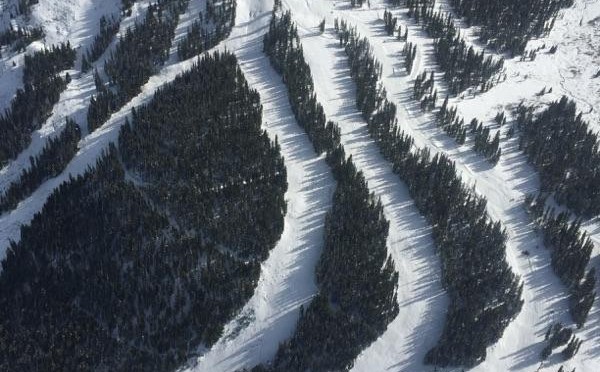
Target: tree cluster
[(463, 67), (484, 143), (571, 251), (485, 295), (454, 125), (18, 38), (447, 119), (138, 55), (423, 87), (564, 151), (410, 53), (508, 25), (206, 32), (49, 163), (132, 265), (108, 30), (356, 278), (558, 336), (389, 22), (34, 102), (48, 62)]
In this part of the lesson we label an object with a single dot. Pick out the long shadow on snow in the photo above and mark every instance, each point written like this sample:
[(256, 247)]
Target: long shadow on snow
[(414, 249)]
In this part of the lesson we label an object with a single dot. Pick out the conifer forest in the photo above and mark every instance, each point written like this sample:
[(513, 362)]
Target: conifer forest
[(299, 186)]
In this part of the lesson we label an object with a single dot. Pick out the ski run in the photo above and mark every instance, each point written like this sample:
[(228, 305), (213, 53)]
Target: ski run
[(287, 276)]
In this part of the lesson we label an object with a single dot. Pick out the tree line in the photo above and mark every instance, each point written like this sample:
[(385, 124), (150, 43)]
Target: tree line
[(463, 66), (212, 26), (508, 25), (564, 150), (356, 278), (17, 38), (134, 264), (109, 27), (484, 293), (53, 159), (34, 102), (138, 55), (570, 251)]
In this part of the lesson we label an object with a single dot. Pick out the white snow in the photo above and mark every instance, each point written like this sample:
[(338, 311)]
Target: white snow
[(73, 103), (287, 277)]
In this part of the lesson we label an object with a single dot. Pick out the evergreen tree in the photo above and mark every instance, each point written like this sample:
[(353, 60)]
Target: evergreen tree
[(484, 293)]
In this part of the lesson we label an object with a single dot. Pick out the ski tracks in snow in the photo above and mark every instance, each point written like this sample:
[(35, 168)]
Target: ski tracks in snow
[(422, 300), (287, 278)]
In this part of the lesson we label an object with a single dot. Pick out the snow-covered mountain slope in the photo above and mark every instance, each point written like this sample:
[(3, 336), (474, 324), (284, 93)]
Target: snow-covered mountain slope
[(287, 277), (420, 295), (73, 103)]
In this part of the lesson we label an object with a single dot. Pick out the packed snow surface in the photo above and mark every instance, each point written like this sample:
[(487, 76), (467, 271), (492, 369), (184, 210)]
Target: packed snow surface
[(287, 276)]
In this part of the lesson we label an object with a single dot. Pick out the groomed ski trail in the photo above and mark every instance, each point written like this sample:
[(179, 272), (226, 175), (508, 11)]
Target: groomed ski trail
[(422, 300), (505, 187), (287, 278)]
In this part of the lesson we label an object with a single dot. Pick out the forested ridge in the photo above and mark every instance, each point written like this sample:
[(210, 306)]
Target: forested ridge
[(356, 278), (485, 294), (34, 102), (132, 265), (145, 47)]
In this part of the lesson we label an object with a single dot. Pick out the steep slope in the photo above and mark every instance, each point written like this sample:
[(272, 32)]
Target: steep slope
[(287, 277), (422, 300)]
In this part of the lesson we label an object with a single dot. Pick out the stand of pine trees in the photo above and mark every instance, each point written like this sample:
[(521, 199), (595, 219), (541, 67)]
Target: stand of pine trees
[(19, 38), (571, 251), (138, 55), (564, 151), (507, 25), (213, 26), (410, 53), (49, 163), (463, 67), (132, 265), (366, 71), (356, 278), (557, 336), (108, 30), (485, 295), (34, 102)]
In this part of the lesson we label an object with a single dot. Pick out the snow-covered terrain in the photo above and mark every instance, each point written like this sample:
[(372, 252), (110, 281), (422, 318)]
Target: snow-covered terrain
[(287, 277), (73, 103)]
